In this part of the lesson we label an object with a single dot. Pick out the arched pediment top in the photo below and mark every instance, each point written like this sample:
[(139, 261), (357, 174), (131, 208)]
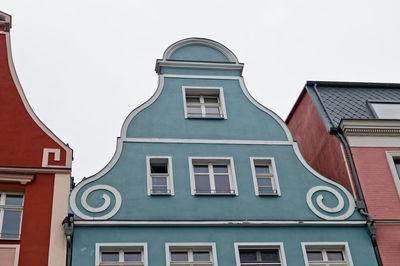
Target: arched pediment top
[(199, 49)]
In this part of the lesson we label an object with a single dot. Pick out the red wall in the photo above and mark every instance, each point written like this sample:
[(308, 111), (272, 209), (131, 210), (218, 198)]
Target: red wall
[(377, 182), (388, 238), (320, 149), (21, 139)]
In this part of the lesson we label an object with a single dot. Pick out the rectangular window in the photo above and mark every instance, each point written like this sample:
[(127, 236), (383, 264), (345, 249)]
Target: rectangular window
[(393, 158), (121, 254), (265, 177), (212, 176), (11, 205), (191, 254), (260, 254), (159, 175), (204, 102), (327, 254)]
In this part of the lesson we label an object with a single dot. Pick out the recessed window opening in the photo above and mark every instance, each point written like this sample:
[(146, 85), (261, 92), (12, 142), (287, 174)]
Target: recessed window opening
[(159, 176), (11, 205), (204, 102), (125, 255), (189, 254), (265, 176)]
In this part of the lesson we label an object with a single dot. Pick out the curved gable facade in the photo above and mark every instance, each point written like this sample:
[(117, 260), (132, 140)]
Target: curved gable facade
[(203, 153)]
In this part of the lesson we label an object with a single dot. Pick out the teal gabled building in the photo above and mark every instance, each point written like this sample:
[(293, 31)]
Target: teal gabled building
[(203, 174)]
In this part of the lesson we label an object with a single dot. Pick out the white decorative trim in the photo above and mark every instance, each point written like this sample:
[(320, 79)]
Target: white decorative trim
[(106, 204), (310, 204), (390, 156), (68, 150), (348, 170), (189, 245), (209, 141), (32, 171), (170, 179), (46, 154), (221, 97), (231, 173), (370, 127), (279, 245), (373, 141), (200, 41), (122, 246), (197, 65), (16, 247), (17, 178), (321, 205), (275, 181), (341, 245), (246, 223)]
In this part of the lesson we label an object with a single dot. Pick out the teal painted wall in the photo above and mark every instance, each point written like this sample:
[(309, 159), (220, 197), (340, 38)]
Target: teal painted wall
[(198, 53), (224, 238)]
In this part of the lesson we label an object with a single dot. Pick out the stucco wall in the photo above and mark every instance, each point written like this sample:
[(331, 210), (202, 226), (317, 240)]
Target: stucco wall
[(321, 149)]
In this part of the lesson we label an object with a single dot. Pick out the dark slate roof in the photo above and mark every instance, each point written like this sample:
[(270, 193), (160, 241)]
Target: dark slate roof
[(349, 100)]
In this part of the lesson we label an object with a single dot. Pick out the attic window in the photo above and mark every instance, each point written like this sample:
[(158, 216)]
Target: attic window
[(386, 110), (204, 102)]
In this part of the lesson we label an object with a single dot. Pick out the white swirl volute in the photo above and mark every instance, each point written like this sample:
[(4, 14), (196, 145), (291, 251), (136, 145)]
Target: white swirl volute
[(106, 204), (319, 201)]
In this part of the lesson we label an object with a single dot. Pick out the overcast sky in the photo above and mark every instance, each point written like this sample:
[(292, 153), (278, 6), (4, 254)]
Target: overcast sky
[(84, 65)]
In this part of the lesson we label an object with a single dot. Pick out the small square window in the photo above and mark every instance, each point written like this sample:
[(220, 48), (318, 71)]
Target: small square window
[(265, 177), (159, 175), (204, 102), (11, 205), (212, 176), (191, 254), (249, 254), (327, 254), (121, 254)]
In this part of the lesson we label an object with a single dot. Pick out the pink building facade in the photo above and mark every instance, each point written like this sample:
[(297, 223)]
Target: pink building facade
[(350, 132)]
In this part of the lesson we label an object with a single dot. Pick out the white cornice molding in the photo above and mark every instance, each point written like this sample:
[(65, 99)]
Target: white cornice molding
[(197, 65), (370, 127), (32, 170), (221, 223), (17, 178)]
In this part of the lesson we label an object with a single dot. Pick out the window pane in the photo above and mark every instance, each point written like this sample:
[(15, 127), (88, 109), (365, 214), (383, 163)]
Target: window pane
[(194, 110), (397, 164), (15, 200), (132, 256), (201, 256), (200, 168), (387, 110), (202, 183), (212, 110), (159, 169), (211, 99), (179, 256), (267, 182), (159, 181), (109, 256), (248, 256), (220, 168), (262, 169), (271, 255), (11, 224), (222, 183), (335, 255), (192, 99), (314, 255)]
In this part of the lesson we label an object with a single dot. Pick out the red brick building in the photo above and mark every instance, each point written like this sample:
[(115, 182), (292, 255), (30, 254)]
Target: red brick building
[(350, 132), (35, 170)]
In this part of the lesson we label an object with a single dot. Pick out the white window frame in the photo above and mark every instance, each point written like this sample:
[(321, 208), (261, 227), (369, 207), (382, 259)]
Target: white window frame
[(274, 175), (205, 90), (121, 247), (170, 178), (391, 156), (215, 160), (16, 247), (344, 246), (260, 245), (16, 208), (190, 246)]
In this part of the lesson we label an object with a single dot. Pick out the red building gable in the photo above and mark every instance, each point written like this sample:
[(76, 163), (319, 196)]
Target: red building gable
[(35, 169)]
